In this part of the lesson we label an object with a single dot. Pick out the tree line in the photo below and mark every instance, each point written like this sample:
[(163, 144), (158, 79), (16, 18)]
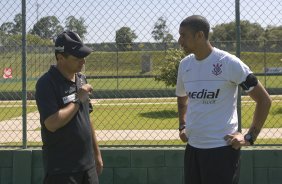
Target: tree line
[(46, 28)]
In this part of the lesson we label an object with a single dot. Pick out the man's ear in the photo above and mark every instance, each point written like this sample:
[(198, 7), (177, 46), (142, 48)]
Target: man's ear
[(60, 57), (200, 34)]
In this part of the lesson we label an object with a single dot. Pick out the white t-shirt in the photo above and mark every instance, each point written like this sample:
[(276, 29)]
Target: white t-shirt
[(211, 86)]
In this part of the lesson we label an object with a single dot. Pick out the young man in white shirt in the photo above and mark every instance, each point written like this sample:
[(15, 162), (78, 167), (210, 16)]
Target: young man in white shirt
[(207, 85)]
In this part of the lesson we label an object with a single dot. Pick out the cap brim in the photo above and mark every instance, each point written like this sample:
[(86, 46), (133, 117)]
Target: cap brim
[(81, 52)]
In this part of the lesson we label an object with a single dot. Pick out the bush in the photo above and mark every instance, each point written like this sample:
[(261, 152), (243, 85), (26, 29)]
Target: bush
[(169, 70), (31, 40)]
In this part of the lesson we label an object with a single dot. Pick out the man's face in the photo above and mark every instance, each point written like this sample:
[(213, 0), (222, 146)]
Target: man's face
[(187, 39), (73, 64)]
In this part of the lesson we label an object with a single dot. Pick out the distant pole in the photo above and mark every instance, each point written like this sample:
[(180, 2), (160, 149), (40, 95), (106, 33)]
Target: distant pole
[(117, 63), (264, 61), (37, 10), (264, 50)]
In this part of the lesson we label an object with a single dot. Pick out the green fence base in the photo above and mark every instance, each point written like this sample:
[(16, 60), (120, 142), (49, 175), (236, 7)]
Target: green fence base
[(142, 166)]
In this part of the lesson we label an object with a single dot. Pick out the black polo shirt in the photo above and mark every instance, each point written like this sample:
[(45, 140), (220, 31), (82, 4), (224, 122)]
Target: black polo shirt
[(70, 148)]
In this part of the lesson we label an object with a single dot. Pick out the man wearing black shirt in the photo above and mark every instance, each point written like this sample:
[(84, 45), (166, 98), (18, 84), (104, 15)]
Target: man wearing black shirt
[(70, 150)]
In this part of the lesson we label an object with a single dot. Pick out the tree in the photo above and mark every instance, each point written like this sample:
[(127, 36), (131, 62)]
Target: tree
[(18, 24), (31, 40), (273, 33), (272, 37), (170, 69), (76, 25), (124, 38), (7, 28), (3, 38), (251, 31), (161, 32), (227, 31), (11, 28), (47, 27)]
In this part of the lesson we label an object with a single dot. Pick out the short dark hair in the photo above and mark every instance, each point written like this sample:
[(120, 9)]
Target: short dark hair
[(197, 23)]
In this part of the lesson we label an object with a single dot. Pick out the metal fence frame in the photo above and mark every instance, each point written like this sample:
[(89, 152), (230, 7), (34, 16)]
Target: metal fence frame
[(24, 92)]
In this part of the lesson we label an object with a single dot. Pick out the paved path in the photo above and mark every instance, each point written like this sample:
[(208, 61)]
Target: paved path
[(11, 131)]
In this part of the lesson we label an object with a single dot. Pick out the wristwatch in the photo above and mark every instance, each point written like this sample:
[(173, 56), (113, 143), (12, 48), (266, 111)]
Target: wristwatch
[(182, 127), (249, 138)]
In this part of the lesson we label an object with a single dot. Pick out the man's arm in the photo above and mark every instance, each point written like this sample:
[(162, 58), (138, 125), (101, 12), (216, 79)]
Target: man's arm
[(182, 109), (64, 115), (97, 152), (263, 104), (61, 117)]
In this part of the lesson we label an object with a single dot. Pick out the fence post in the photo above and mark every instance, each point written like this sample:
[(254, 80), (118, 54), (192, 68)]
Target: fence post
[(238, 52), (24, 91)]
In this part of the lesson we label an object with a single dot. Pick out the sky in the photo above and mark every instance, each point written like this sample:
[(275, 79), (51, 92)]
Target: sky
[(103, 18)]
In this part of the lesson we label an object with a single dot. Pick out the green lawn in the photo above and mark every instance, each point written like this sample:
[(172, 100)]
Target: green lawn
[(138, 117), (98, 84), (176, 142), (146, 143), (119, 114), (119, 64), (126, 115), (144, 114), (7, 113), (125, 84)]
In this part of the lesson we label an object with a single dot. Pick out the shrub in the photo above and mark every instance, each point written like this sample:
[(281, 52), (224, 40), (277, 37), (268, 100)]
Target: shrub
[(169, 70)]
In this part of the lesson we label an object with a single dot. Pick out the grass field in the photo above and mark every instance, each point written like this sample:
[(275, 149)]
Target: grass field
[(175, 142), (141, 143), (153, 114), (145, 114), (128, 114), (121, 64), (126, 84)]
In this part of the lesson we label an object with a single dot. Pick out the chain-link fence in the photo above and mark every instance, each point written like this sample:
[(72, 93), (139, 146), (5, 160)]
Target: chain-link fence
[(131, 41)]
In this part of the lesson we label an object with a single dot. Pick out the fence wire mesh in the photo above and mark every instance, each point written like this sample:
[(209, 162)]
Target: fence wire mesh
[(132, 41)]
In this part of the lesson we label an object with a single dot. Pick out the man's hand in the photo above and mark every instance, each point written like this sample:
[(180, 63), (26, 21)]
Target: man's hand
[(183, 136), (236, 140), (99, 164), (84, 91)]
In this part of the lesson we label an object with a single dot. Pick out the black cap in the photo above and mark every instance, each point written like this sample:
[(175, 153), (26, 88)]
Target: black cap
[(70, 42)]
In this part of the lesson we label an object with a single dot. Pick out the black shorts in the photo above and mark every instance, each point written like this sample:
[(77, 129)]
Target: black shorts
[(86, 177), (211, 166)]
